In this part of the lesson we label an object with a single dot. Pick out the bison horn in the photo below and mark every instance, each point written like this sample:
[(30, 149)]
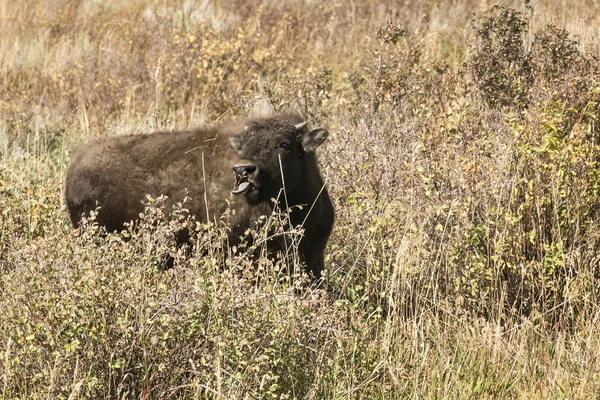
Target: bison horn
[(300, 125)]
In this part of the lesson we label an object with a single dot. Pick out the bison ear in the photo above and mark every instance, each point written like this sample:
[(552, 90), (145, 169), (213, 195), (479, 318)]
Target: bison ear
[(313, 139), (235, 142)]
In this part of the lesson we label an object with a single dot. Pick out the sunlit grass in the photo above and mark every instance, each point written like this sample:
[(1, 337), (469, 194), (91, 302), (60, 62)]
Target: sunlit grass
[(465, 178)]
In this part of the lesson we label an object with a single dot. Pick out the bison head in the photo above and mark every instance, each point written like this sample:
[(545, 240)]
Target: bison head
[(274, 154)]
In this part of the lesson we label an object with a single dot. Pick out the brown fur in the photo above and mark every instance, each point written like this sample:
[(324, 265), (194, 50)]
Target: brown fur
[(117, 174)]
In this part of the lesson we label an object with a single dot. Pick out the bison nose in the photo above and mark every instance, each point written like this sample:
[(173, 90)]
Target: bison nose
[(244, 169)]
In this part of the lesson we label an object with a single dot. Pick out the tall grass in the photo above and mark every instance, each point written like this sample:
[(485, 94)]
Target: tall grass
[(463, 164)]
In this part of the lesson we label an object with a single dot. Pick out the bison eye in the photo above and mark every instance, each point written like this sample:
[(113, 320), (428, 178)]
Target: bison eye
[(286, 145)]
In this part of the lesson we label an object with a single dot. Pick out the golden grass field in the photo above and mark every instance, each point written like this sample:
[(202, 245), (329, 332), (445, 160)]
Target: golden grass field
[(463, 162)]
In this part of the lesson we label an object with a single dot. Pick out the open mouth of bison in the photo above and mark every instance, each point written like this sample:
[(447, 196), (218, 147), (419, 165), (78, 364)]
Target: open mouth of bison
[(243, 187)]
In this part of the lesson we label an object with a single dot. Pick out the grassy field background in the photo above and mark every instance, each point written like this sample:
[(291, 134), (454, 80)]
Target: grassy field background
[(463, 161)]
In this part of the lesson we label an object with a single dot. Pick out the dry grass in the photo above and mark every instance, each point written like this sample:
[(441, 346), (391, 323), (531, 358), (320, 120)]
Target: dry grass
[(463, 163)]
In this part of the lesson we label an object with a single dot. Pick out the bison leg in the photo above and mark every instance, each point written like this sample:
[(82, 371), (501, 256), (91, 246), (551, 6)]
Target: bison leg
[(312, 254), (181, 238)]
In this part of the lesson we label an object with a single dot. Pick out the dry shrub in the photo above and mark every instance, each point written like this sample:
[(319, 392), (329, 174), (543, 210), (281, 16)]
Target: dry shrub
[(106, 320), (463, 164), (500, 62)]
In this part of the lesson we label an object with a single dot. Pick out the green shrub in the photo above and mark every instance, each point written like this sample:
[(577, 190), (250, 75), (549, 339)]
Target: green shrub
[(463, 164)]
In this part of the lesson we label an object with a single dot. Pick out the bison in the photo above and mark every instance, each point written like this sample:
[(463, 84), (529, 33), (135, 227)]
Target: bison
[(268, 156)]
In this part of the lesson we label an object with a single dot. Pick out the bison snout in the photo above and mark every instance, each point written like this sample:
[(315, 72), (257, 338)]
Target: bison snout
[(245, 172), (244, 169)]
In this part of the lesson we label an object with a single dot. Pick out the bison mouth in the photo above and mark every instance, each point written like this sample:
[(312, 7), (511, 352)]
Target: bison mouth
[(244, 187)]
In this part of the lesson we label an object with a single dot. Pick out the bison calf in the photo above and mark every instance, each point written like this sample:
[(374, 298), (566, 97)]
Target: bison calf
[(265, 155)]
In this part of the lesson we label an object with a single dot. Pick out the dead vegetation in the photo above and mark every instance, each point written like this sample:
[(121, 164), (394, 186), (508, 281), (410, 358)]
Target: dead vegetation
[(462, 161)]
